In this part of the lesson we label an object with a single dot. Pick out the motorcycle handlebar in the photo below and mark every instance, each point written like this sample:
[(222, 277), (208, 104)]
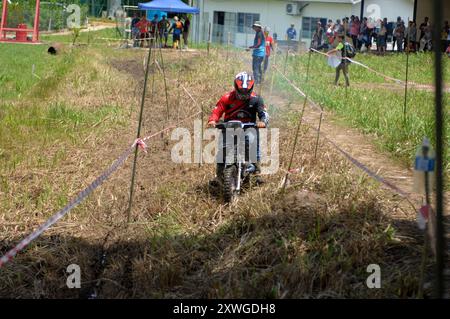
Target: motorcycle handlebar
[(226, 125)]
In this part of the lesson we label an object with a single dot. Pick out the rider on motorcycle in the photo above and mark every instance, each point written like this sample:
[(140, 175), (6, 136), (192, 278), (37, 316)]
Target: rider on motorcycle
[(241, 104)]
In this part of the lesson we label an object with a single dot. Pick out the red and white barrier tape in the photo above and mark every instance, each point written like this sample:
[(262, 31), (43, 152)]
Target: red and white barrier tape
[(314, 104), (73, 203), (140, 142), (358, 164), (366, 67), (347, 155)]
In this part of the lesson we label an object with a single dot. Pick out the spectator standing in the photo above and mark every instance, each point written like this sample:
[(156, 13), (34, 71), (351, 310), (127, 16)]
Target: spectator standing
[(371, 33), (291, 33), (386, 25), (412, 36), (446, 35), (338, 28), (346, 26), (448, 38), (259, 51), (364, 35), (154, 28), (381, 39), (135, 30), (329, 34), (426, 41), (269, 47), (423, 27), (343, 66), (177, 28), (399, 33), (354, 31), (317, 36), (163, 27), (143, 26), (448, 51), (186, 28), (447, 27)]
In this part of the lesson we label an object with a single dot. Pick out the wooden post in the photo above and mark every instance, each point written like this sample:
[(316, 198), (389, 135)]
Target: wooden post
[(275, 64), (286, 61), (36, 21), (133, 175), (407, 75), (202, 136), (4, 19), (209, 37), (228, 44), (318, 135), (441, 143)]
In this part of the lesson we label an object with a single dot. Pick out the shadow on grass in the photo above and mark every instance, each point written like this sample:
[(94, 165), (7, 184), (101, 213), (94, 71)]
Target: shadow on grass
[(296, 251)]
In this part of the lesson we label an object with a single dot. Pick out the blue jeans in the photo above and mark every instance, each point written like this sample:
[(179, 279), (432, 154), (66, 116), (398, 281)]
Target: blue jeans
[(266, 63), (228, 149), (257, 68)]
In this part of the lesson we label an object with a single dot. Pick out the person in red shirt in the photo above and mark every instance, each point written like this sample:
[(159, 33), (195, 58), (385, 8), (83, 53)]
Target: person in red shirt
[(241, 104), (143, 26), (269, 47)]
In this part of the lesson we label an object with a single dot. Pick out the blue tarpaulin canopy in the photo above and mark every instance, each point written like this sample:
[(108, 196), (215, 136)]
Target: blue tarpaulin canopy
[(176, 6)]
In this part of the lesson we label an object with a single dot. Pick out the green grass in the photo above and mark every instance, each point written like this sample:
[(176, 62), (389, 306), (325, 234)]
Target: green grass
[(421, 67), (374, 110), (30, 116), (91, 37), (16, 75), (318, 238)]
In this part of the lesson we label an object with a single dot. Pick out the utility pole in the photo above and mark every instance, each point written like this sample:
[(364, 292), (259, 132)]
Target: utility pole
[(362, 10)]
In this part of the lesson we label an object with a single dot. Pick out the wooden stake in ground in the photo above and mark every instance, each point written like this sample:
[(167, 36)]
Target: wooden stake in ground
[(346, 67), (133, 174), (298, 126), (318, 135), (286, 61), (441, 247), (425, 153), (407, 73), (201, 138), (228, 44), (209, 37), (165, 82), (294, 147), (275, 65)]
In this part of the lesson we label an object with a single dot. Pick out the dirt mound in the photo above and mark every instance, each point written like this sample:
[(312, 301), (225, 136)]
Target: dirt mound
[(301, 202), (133, 67)]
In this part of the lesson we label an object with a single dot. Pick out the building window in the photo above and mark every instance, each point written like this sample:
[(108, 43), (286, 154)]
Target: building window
[(309, 26), (246, 20)]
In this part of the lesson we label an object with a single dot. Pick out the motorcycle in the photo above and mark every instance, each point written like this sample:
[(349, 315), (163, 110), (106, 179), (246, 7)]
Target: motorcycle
[(237, 172)]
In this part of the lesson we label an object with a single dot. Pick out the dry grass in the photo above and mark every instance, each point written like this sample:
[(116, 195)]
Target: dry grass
[(315, 242)]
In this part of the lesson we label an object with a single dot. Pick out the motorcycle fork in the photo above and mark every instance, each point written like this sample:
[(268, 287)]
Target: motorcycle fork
[(238, 186)]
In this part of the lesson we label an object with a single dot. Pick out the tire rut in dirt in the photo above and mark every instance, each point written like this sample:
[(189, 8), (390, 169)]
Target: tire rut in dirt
[(93, 291)]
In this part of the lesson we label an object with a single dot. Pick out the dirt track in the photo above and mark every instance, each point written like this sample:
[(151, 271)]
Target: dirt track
[(363, 149), (183, 242)]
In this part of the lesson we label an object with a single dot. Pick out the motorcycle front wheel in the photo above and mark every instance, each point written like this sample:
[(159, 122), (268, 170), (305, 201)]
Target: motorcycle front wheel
[(230, 179)]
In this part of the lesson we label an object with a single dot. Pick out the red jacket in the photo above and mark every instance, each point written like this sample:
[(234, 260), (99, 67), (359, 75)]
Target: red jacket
[(244, 111)]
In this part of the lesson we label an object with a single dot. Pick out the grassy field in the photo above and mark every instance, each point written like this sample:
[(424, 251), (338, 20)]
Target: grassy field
[(62, 130), (371, 104)]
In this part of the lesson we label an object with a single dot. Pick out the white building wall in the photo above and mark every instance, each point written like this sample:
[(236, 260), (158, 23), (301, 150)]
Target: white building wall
[(273, 13), (390, 9)]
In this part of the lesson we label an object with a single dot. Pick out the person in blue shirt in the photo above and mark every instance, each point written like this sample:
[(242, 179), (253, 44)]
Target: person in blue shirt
[(259, 51), (291, 33)]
